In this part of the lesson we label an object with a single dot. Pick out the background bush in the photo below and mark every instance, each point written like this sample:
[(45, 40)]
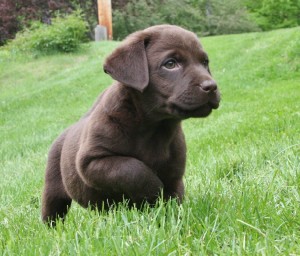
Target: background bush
[(274, 14), (204, 17), (65, 34)]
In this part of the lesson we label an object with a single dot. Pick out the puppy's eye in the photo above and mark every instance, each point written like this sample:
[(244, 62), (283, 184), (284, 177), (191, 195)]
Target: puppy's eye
[(205, 62), (170, 64)]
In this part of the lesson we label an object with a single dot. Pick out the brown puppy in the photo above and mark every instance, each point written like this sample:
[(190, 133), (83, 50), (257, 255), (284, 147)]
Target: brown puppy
[(130, 145)]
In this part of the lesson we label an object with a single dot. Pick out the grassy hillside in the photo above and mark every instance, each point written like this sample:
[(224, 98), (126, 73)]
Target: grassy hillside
[(242, 177)]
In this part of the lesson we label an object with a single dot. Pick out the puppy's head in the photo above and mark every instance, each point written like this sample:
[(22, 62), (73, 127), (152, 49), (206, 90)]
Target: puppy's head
[(168, 65)]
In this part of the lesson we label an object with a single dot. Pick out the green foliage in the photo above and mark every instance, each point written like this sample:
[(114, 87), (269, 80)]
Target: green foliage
[(207, 17), (242, 175), (204, 17), (229, 18), (65, 34), (274, 14), (137, 15)]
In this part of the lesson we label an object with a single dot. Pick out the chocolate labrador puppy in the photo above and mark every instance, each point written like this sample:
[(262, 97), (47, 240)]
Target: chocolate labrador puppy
[(130, 145)]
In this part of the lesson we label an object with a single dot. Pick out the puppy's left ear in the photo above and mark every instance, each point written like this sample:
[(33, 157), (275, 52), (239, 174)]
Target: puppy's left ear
[(128, 63)]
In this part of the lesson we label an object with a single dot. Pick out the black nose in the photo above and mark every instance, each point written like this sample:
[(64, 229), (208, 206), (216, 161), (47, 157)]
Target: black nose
[(209, 85)]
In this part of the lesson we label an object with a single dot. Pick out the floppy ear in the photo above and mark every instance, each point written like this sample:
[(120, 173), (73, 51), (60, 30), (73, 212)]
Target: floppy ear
[(128, 63)]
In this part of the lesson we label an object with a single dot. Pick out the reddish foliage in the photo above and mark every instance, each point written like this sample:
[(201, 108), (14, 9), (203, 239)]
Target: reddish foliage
[(8, 21), (14, 15)]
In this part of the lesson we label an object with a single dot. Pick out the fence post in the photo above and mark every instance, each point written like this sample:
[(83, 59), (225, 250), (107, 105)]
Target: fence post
[(103, 31)]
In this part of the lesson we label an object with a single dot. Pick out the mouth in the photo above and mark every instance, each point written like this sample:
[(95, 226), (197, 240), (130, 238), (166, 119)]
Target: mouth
[(213, 104), (198, 111), (193, 104)]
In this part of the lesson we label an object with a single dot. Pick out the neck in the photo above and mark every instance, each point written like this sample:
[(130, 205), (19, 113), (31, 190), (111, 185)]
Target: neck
[(136, 111), (149, 108)]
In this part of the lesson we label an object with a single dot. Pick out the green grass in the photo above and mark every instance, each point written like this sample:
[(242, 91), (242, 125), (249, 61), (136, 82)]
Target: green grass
[(242, 177)]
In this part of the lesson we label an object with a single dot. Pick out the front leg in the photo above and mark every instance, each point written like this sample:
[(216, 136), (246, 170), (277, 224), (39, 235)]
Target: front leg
[(174, 188), (118, 174)]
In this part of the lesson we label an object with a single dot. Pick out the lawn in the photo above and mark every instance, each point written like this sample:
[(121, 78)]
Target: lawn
[(243, 165)]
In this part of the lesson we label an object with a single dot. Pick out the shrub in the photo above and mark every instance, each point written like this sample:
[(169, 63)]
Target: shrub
[(229, 18), (65, 34), (201, 16), (136, 15), (139, 14), (271, 14)]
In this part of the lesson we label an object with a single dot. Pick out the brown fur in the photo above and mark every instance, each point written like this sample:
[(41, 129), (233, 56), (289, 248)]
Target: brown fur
[(130, 145)]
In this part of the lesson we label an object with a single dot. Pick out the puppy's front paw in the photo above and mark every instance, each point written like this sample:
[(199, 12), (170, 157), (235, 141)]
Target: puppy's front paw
[(147, 190)]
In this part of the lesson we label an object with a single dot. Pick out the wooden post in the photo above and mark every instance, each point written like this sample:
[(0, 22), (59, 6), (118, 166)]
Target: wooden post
[(105, 16)]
